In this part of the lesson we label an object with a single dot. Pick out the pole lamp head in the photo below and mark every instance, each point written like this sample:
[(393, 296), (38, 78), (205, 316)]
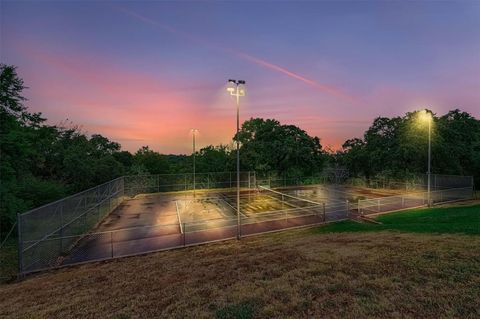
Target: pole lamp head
[(425, 116)]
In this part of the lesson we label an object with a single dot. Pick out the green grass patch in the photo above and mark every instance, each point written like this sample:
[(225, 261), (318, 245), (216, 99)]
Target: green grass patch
[(240, 311), (459, 219), (8, 261)]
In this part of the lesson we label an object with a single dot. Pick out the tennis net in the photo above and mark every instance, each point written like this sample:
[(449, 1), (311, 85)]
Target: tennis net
[(293, 201)]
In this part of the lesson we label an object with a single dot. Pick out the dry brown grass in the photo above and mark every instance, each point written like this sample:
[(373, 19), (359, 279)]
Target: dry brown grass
[(289, 275)]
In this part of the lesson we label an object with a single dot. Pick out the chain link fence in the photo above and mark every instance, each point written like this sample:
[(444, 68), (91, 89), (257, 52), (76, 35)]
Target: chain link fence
[(275, 179), (47, 233), (62, 232), (416, 183), (139, 240), (413, 200), (143, 184)]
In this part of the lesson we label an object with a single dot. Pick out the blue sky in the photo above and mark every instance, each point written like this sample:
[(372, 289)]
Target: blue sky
[(144, 73)]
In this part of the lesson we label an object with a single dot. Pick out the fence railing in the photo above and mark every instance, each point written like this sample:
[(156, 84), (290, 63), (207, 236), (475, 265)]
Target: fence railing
[(413, 200), (55, 234), (418, 183), (68, 218), (138, 240), (142, 184)]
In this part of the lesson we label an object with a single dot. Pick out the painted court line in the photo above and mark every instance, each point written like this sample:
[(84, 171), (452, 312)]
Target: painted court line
[(178, 216)]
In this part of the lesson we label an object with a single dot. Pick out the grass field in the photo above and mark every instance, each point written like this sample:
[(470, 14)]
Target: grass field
[(456, 219), (304, 273)]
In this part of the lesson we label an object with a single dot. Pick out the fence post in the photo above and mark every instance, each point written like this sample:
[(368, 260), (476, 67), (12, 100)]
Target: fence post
[(230, 179), (286, 219), (249, 180), (20, 245), (324, 215), (158, 183), (184, 235), (403, 202), (185, 181), (378, 205), (359, 212)]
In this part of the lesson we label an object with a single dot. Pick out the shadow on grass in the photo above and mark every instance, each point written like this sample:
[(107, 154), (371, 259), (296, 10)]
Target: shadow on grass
[(239, 311), (451, 220)]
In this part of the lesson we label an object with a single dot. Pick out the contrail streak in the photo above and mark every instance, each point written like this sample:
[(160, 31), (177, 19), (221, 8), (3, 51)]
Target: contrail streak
[(271, 66), (263, 63)]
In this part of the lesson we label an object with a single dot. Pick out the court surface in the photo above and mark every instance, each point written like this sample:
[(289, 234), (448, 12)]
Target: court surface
[(166, 220)]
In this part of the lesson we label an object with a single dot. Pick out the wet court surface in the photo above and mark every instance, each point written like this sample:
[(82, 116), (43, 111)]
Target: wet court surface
[(161, 221)]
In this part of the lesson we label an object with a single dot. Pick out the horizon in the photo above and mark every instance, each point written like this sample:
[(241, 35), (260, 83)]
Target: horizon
[(144, 74)]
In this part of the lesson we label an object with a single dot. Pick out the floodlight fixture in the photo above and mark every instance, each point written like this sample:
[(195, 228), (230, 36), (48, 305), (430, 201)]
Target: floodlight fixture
[(237, 91)]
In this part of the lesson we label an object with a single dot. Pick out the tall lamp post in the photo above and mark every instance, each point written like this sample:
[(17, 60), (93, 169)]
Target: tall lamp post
[(237, 91), (194, 132), (427, 116)]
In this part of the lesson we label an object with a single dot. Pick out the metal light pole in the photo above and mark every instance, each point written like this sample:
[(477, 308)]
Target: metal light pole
[(429, 157), (427, 116), (238, 91), (194, 131)]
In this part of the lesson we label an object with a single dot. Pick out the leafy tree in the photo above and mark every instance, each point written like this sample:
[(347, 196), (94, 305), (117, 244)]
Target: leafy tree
[(125, 158), (152, 161), (397, 147), (40, 163), (213, 159), (267, 145), (354, 157)]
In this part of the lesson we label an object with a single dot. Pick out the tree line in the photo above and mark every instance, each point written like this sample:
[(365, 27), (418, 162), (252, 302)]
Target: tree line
[(40, 162), (397, 148)]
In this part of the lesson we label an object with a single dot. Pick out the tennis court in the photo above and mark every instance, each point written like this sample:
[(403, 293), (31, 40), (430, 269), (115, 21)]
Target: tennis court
[(166, 220), (132, 215)]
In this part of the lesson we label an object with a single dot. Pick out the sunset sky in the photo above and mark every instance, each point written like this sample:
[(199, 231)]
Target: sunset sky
[(145, 73)]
